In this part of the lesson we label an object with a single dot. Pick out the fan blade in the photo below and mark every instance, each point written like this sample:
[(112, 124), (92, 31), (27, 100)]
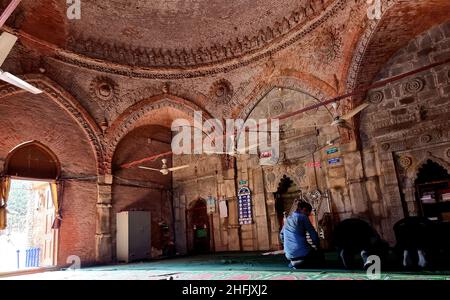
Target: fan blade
[(151, 169), (219, 153), (345, 125), (16, 81), (329, 143), (7, 42), (8, 11), (178, 168), (354, 112)]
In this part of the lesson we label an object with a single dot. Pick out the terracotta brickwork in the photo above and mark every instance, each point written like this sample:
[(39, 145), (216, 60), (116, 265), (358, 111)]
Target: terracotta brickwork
[(112, 89)]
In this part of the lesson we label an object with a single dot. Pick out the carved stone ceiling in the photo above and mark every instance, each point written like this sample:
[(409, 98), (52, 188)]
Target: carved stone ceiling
[(166, 33)]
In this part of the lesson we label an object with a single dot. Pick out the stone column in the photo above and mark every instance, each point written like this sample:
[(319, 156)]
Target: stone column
[(180, 222), (410, 197), (391, 196), (103, 237), (260, 211), (355, 182), (234, 241), (274, 226)]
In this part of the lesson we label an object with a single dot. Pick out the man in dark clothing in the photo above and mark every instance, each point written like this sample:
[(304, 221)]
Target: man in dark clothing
[(355, 236), (416, 241), (293, 236)]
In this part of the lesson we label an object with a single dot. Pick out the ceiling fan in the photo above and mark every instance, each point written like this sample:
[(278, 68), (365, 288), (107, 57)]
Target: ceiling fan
[(7, 42), (341, 121), (164, 170)]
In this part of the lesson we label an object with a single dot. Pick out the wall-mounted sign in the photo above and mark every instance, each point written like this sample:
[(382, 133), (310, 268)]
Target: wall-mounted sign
[(334, 161), (316, 164), (269, 157), (243, 182), (211, 205), (332, 150), (266, 154), (245, 206)]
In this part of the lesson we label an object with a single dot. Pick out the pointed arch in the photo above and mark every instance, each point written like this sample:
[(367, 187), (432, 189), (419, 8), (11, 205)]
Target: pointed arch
[(32, 160), (135, 116), (65, 100), (290, 79)]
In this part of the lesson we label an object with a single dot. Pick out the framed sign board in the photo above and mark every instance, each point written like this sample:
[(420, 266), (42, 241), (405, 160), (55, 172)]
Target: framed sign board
[(245, 206)]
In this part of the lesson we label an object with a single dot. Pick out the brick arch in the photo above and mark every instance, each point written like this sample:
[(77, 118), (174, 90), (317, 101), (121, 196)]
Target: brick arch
[(289, 79), (65, 100), (129, 120), (383, 38), (52, 163)]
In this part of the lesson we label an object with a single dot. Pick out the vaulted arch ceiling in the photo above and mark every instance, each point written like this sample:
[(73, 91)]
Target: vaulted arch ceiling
[(403, 21), (169, 34)]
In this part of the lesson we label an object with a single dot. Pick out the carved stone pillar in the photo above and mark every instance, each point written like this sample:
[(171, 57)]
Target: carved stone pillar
[(410, 197), (391, 196), (180, 222), (103, 237), (234, 241), (260, 211), (274, 226)]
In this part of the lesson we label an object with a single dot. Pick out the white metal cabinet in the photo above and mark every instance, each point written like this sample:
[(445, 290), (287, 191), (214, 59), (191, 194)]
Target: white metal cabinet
[(133, 236)]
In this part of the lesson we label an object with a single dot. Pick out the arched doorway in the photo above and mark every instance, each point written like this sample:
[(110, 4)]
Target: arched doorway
[(433, 191), (285, 197), (199, 227), (32, 160), (143, 189), (30, 208)]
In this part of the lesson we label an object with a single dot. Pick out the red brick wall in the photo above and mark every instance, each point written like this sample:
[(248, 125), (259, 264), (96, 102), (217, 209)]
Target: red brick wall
[(77, 233), (26, 117)]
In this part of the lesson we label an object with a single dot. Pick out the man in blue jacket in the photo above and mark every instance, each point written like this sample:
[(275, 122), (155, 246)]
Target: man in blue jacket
[(293, 236)]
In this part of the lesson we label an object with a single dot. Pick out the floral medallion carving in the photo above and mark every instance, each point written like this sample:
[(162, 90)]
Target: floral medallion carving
[(385, 146), (425, 139), (221, 91), (104, 89), (276, 107), (328, 45), (376, 97), (414, 86), (405, 162)]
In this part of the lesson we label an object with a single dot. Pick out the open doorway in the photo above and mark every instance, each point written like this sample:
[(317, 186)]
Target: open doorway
[(29, 208), (29, 240), (199, 227), (285, 198), (433, 191)]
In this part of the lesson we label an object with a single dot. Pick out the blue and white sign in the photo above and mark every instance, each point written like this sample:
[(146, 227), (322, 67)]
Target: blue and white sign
[(211, 205), (332, 150), (334, 161), (245, 206)]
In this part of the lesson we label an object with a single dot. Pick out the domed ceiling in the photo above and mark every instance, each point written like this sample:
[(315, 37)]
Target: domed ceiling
[(166, 33)]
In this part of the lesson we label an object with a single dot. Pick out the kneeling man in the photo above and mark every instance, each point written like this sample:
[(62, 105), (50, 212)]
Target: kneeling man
[(293, 236)]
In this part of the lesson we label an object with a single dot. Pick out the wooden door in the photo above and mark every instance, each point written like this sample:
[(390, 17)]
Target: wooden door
[(49, 247)]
